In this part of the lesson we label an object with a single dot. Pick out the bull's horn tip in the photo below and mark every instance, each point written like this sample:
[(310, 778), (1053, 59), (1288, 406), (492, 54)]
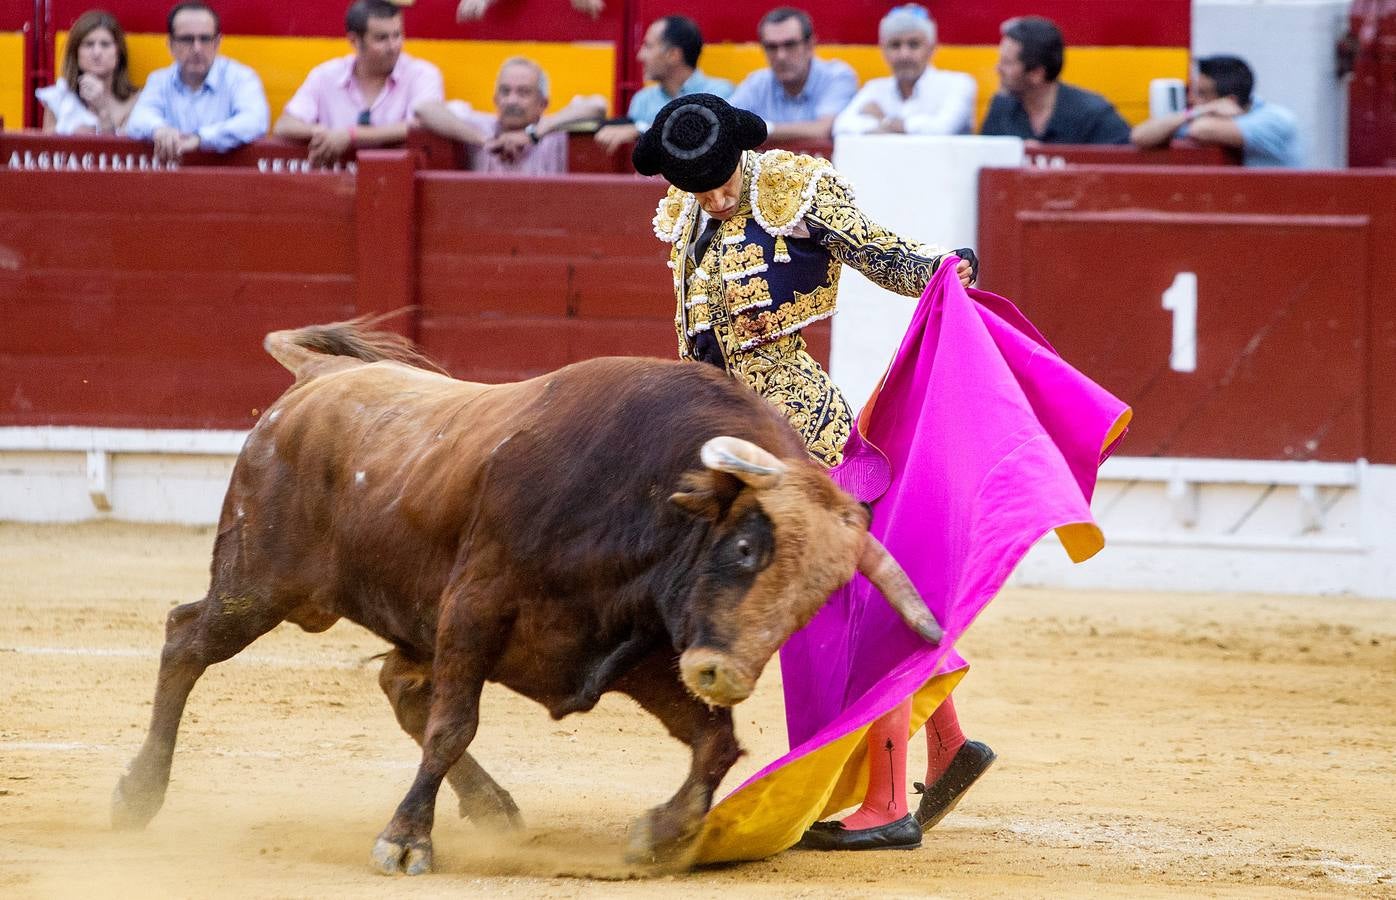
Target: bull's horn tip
[(931, 631)]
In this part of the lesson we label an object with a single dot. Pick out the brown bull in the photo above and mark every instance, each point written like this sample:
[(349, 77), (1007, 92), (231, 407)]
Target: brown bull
[(626, 525)]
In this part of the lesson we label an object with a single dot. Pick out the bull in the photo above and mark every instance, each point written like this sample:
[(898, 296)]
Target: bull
[(621, 524)]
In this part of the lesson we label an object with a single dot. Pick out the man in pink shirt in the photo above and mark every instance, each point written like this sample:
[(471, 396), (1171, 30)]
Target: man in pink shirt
[(518, 139), (366, 99)]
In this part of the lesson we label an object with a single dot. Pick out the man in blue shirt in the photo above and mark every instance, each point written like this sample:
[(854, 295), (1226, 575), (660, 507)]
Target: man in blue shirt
[(799, 95), (1222, 111), (669, 56), (204, 101)]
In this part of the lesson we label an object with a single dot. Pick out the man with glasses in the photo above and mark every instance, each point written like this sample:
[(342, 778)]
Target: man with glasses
[(799, 95), (366, 99), (202, 102)]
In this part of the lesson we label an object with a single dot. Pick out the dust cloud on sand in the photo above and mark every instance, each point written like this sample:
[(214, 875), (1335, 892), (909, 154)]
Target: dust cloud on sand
[(1149, 745)]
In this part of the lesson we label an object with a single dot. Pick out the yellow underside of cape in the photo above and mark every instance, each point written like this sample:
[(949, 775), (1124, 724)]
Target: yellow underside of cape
[(772, 814)]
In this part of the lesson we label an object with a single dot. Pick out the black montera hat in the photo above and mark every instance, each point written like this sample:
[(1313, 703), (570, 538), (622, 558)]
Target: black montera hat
[(697, 141)]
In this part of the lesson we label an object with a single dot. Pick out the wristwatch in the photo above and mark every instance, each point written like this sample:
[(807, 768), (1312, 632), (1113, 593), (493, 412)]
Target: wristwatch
[(531, 129)]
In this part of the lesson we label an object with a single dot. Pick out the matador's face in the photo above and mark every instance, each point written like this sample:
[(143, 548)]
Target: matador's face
[(721, 202)]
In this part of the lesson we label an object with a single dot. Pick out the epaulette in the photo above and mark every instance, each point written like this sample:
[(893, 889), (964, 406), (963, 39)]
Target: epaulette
[(673, 212), (783, 188)]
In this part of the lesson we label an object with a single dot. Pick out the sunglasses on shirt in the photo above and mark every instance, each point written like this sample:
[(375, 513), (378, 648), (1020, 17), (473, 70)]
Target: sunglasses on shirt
[(364, 117)]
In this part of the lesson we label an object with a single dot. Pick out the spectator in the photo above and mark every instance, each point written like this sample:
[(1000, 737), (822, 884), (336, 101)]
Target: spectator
[(366, 99), (799, 95), (1221, 110), (669, 55), (467, 10), (204, 101), (1033, 105), (918, 98), (94, 94), (518, 139)]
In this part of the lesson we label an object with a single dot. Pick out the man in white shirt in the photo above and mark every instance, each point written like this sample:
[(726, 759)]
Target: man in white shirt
[(918, 98)]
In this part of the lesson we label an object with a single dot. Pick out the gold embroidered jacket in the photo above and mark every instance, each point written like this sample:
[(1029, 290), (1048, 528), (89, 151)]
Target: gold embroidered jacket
[(772, 269)]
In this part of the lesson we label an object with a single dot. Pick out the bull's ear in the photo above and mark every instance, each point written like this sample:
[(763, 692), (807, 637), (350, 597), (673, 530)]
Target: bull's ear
[(707, 494)]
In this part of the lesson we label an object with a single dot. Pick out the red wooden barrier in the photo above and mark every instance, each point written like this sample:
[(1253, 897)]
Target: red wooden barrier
[(39, 152), (585, 155), (1295, 300), (140, 299), (520, 276)]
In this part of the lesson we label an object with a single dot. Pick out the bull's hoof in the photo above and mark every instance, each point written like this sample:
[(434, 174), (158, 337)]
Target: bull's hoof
[(495, 812), (132, 808), (408, 857), (658, 841)]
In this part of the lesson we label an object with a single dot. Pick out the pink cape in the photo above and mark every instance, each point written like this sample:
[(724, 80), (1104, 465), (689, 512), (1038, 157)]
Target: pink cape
[(978, 442)]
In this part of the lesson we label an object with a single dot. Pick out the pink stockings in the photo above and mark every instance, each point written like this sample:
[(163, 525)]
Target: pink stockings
[(886, 800)]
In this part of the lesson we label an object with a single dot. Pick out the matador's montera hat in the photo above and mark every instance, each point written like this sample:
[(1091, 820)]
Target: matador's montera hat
[(697, 141)]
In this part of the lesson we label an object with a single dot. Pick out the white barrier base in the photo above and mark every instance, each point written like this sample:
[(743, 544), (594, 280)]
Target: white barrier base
[(1234, 525), (51, 474), (1170, 524)]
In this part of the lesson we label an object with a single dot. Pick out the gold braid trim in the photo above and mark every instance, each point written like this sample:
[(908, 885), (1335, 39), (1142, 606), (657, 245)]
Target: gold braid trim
[(676, 209), (788, 377), (855, 240)]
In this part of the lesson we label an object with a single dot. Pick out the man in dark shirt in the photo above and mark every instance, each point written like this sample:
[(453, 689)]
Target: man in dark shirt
[(1033, 105)]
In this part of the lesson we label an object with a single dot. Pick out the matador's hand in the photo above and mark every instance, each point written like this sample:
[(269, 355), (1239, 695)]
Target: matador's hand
[(968, 269)]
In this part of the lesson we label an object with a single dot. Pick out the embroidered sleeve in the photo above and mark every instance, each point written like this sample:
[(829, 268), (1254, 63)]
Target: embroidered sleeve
[(855, 240)]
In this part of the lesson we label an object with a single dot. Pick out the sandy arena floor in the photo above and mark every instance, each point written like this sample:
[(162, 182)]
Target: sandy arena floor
[(1148, 745)]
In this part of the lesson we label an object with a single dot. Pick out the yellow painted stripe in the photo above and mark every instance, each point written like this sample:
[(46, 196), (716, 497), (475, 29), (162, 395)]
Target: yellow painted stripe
[(12, 79), (1121, 74), (468, 67)]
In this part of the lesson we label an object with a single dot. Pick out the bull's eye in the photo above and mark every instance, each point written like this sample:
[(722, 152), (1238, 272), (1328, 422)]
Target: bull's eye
[(746, 554)]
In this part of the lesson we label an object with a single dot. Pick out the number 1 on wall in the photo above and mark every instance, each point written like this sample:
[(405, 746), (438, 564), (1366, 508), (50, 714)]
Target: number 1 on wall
[(1181, 300)]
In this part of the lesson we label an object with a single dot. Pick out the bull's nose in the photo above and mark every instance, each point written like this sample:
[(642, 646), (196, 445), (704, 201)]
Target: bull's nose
[(713, 678)]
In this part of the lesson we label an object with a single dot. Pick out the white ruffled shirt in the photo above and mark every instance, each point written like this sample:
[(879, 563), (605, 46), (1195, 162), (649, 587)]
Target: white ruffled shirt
[(67, 107), (941, 103)]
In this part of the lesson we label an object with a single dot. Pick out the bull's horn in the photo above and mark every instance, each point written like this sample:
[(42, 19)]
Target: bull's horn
[(743, 459), (887, 576)]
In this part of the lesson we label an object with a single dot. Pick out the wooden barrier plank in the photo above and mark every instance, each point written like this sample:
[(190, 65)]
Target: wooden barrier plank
[(1295, 299)]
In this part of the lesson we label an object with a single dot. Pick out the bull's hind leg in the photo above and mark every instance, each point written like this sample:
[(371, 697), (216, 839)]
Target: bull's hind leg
[(197, 635), (482, 800), (472, 634), (667, 835)]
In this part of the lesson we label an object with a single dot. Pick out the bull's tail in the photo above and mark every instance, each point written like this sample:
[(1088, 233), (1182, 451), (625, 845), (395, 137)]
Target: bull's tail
[(299, 349)]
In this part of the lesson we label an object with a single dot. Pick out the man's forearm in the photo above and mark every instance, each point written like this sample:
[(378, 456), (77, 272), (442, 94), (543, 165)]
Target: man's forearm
[(380, 135), (581, 109), (812, 130), (292, 128), (436, 117), (1157, 131)]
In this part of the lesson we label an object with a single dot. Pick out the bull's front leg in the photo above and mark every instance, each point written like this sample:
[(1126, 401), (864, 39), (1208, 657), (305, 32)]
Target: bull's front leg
[(470, 636), (667, 835)]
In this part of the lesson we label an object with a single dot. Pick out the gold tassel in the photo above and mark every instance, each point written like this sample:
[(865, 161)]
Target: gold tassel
[(781, 254)]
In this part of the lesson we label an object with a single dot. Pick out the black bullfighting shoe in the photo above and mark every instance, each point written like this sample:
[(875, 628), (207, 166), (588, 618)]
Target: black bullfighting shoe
[(903, 834), (971, 760)]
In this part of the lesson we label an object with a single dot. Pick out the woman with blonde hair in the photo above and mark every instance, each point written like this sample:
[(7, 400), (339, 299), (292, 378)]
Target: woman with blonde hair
[(94, 95)]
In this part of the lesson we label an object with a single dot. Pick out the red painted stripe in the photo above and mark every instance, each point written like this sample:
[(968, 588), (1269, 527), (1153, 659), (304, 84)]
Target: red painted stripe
[(1156, 23)]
